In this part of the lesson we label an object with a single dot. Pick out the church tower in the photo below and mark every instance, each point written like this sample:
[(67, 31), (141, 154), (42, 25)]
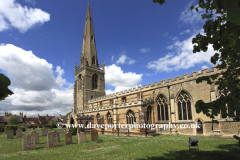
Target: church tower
[(89, 78)]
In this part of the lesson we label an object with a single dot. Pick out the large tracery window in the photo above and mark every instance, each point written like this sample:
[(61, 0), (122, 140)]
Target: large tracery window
[(98, 119), (94, 81), (184, 106), (228, 113), (162, 108), (131, 119), (109, 118)]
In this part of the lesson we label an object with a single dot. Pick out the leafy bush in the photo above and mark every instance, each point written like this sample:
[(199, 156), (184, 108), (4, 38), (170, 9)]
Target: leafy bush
[(9, 127), (13, 121), (2, 128), (53, 123), (22, 128), (72, 130)]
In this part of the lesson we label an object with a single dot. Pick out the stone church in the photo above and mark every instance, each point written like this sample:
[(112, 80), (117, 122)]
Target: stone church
[(171, 101)]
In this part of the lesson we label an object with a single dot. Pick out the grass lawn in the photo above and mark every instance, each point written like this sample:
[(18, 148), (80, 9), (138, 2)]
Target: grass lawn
[(113, 147)]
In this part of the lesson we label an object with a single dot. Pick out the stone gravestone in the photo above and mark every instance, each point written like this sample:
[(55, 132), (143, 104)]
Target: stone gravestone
[(44, 131), (52, 139), (26, 128), (28, 142), (94, 134), (68, 138), (10, 134), (82, 138), (19, 133), (58, 136), (36, 136)]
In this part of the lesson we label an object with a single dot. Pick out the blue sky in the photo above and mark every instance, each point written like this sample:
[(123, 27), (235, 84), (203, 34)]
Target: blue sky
[(140, 42)]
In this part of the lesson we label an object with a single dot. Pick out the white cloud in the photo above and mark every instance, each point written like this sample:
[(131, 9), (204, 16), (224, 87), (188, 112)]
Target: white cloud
[(124, 59), (33, 2), (174, 38), (14, 15), (144, 50), (33, 83), (114, 76), (191, 16), (203, 67), (186, 31), (183, 59)]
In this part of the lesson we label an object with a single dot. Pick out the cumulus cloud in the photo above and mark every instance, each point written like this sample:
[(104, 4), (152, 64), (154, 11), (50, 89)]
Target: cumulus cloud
[(29, 72), (115, 76), (33, 83), (124, 59), (13, 14), (191, 16), (183, 59), (144, 50), (186, 31)]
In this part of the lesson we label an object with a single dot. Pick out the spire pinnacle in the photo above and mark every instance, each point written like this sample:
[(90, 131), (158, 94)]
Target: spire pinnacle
[(89, 45)]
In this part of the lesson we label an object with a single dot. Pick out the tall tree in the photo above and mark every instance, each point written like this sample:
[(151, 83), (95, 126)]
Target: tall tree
[(4, 83), (222, 31)]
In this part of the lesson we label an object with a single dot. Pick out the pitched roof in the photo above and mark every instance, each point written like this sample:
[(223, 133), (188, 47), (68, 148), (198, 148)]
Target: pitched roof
[(46, 119), (6, 118)]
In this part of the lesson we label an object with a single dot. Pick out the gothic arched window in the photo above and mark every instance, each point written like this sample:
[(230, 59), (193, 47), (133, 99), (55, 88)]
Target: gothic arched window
[(184, 106), (93, 60), (109, 118), (94, 81), (98, 119), (131, 119), (149, 115), (80, 82), (162, 108)]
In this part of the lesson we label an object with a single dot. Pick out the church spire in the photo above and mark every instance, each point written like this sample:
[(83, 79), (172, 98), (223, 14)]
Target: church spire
[(89, 52)]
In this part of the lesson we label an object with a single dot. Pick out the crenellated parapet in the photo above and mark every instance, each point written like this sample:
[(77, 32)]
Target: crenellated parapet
[(163, 83)]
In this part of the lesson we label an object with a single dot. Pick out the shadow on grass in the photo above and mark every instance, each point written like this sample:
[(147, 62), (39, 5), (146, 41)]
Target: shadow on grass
[(229, 151), (39, 147)]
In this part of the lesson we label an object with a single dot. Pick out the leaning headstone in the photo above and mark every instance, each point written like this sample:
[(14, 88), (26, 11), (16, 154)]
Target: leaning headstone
[(58, 136), (52, 139), (82, 138), (36, 136), (10, 134), (68, 138), (44, 131), (19, 133), (28, 142), (94, 134)]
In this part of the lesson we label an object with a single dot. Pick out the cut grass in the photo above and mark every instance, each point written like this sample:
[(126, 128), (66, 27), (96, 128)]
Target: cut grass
[(114, 147)]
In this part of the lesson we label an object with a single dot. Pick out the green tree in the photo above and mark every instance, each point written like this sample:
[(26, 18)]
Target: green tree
[(9, 114), (4, 83), (69, 113), (13, 121), (224, 35), (53, 123)]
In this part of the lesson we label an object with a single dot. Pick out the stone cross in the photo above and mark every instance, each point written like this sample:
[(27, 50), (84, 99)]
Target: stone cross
[(52, 139), (44, 131), (36, 136), (19, 133), (94, 134), (28, 142), (10, 134), (68, 138), (82, 138)]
